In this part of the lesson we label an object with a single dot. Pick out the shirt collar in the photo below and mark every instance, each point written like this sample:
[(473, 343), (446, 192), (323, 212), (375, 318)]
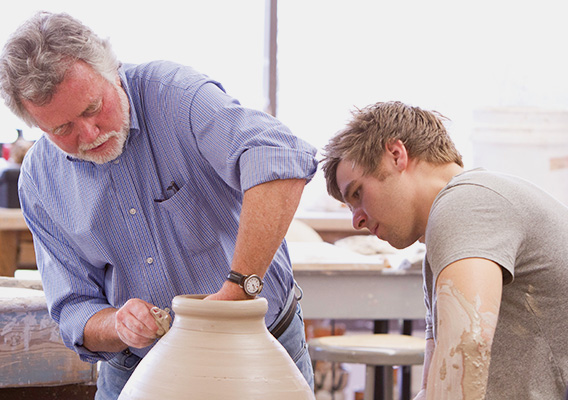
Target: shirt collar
[(134, 125)]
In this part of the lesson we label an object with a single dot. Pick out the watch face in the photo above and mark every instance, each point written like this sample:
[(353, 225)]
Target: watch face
[(252, 285)]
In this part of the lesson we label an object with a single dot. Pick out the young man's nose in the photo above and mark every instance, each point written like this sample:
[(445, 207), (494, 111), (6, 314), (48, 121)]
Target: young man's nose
[(359, 219)]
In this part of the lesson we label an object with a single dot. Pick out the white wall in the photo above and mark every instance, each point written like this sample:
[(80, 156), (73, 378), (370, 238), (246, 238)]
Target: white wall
[(448, 55), (451, 56)]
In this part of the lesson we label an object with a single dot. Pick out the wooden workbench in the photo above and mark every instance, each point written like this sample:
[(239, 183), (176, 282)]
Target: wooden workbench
[(338, 283), (341, 284)]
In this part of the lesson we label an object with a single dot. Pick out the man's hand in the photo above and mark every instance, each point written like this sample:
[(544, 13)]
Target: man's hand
[(229, 291), (112, 330), (136, 325)]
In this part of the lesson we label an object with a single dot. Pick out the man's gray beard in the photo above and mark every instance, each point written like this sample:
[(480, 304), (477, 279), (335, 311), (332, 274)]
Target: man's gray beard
[(109, 154)]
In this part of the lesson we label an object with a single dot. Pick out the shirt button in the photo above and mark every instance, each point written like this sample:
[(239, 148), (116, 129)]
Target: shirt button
[(132, 211), (149, 260), (116, 161)]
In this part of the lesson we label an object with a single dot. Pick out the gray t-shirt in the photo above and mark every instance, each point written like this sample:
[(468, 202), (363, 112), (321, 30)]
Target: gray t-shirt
[(513, 223)]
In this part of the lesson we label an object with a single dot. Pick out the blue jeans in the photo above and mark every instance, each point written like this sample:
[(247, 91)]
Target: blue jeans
[(298, 349), (114, 373)]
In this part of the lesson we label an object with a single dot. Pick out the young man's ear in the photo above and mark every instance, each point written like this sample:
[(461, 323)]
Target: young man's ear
[(397, 153)]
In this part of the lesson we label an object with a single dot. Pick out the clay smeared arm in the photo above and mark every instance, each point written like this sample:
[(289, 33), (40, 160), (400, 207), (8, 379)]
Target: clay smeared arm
[(468, 300), (266, 215)]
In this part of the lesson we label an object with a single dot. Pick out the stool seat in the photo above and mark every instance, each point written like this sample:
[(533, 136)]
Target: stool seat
[(376, 349), (373, 350)]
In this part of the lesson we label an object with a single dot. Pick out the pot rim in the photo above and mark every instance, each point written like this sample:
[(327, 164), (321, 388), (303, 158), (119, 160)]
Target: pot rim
[(194, 304)]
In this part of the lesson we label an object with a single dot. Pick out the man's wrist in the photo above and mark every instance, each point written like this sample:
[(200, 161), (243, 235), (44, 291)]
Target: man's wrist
[(251, 284)]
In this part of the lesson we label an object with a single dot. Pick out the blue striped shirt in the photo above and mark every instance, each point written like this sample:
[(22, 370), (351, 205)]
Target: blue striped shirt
[(100, 236)]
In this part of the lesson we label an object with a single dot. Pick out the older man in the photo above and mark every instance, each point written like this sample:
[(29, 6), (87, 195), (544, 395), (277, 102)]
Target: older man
[(150, 182)]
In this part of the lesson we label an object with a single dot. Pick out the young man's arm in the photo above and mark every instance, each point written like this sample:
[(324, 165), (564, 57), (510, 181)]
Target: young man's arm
[(468, 300)]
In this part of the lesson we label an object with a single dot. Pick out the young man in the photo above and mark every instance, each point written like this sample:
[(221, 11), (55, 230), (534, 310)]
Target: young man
[(150, 182), (496, 267)]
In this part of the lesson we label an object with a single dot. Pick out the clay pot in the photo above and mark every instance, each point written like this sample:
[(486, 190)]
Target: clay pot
[(217, 350)]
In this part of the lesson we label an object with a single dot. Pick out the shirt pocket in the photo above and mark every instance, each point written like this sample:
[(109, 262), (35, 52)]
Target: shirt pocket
[(190, 220)]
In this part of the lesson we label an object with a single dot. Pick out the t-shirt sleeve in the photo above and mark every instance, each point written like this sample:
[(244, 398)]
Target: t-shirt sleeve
[(473, 221)]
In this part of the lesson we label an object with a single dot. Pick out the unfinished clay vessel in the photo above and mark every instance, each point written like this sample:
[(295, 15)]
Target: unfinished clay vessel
[(217, 350)]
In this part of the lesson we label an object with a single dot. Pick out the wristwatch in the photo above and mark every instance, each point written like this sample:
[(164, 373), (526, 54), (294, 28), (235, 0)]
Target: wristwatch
[(251, 284)]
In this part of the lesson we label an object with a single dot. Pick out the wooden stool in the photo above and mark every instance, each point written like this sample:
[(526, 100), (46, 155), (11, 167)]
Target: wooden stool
[(372, 350)]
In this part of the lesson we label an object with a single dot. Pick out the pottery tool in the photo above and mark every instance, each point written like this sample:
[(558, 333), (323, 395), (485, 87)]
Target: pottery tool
[(162, 318)]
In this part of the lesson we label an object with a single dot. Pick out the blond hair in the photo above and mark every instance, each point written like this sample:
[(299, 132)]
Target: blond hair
[(364, 139)]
